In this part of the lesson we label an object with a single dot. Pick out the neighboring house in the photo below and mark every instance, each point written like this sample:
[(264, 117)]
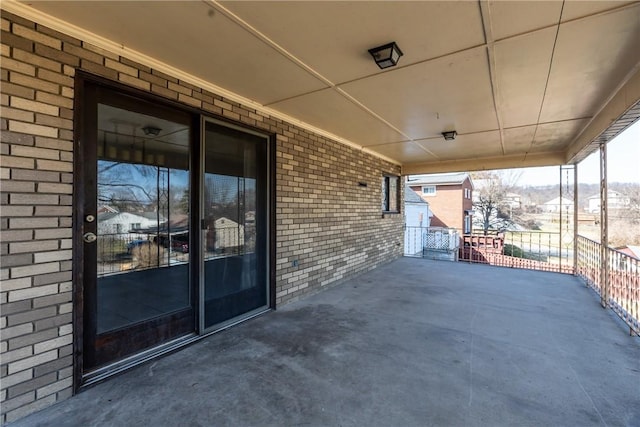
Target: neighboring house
[(632, 250), (126, 224), (450, 198), (555, 205), (513, 200), (416, 210), (417, 216), (615, 200)]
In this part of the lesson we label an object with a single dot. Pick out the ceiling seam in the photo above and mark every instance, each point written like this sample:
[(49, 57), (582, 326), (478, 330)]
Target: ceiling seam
[(485, 14), (467, 49), (269, 42), (265, 39), (29, 12), (546, 83), (569, 21), (553, 122)]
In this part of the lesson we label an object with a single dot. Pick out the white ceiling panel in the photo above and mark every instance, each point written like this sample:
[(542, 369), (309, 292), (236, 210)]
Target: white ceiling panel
[(473, 146), (548, 135), (592, 57), (509, 18), (334, 37), (425, 99), (404, 152), (518, 140), (577, 9), (193, 37), (300, 58), (522, 65), (345, 118)]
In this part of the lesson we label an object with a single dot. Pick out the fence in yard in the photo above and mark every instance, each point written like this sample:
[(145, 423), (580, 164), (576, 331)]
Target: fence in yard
[(432, 242), (620, 289), (531, 250)]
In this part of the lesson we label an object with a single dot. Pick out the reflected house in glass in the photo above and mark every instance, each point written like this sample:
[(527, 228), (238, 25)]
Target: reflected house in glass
[(226, 235), (126, 224)]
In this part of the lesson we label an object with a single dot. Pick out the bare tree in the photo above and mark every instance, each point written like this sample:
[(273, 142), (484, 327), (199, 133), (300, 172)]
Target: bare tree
[(493, 210)]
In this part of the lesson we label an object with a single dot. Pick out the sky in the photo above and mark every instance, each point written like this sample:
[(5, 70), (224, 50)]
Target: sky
[(623, 163)]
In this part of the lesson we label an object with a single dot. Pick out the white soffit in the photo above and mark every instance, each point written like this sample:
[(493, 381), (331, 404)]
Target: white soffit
[(328, 109), (510, 18), (473, 146), (522, 65), (425, 99), (195, 38), (592, 57), (483, 68), (333, 37), (404, 151), (547, 134)]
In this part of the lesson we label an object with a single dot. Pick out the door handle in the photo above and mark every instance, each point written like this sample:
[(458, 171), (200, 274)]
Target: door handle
[(89, 237)]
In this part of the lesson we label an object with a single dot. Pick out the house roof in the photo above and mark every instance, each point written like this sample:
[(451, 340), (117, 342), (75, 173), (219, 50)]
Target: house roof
[(631, 250), (105, 216), (556, 201), (410, 196), (610, 193), (439, 179)]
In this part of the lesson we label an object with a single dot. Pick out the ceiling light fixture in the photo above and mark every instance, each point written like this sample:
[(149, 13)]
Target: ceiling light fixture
[(386, 56), (151, 131), (449, 135)]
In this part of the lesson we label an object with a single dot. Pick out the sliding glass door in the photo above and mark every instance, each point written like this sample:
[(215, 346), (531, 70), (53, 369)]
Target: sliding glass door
[(172, 227), (234, 222)]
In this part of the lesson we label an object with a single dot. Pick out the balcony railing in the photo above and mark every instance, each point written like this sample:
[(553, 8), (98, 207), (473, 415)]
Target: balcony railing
[(431, 242), (620, 289), (531, 250)]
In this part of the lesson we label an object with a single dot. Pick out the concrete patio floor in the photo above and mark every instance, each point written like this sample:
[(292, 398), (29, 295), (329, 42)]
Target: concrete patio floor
[(413, 343)]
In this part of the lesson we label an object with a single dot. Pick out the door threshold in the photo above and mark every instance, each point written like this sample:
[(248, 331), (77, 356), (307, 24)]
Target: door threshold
[(115, 368)]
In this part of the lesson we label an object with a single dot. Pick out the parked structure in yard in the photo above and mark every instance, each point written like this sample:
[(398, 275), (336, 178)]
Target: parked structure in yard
[(450, 198), (251, 111)]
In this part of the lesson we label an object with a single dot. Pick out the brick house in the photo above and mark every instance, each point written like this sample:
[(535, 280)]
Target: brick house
[(450, 198), (251, 111)]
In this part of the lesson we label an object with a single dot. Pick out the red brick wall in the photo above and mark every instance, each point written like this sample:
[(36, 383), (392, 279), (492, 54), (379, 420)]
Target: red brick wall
[(448, 204)]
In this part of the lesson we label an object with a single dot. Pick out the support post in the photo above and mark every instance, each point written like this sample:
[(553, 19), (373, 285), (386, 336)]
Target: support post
[(575, 219), (560, 224), (604, 229)]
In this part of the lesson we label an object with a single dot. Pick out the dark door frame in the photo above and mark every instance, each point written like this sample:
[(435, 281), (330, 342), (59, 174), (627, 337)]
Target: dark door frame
[(83, 83)]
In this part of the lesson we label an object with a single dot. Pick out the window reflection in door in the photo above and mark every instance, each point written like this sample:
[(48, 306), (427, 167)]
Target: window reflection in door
[(142, 217)]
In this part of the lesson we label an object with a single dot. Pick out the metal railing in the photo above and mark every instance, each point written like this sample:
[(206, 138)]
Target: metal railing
[(122, 252), (431, 242), (620, 288), (531, 250)]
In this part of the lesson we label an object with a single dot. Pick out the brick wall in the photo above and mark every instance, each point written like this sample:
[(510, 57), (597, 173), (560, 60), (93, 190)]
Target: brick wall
[(446, 206), (328, 228)]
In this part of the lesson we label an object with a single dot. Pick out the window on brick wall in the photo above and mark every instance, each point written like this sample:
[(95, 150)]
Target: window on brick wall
[(429, 190), (391, 193)]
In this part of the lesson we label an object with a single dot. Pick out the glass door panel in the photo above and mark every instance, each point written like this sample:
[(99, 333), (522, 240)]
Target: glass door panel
[(136, 275), (234, 236)]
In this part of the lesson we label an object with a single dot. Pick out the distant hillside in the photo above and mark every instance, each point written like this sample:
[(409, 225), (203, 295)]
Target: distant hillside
[(538, 195)]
